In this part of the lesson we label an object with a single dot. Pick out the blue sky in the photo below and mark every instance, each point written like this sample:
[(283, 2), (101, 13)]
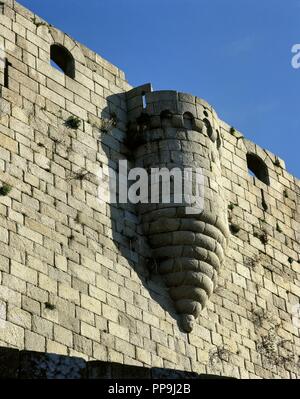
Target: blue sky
[(236, 54)]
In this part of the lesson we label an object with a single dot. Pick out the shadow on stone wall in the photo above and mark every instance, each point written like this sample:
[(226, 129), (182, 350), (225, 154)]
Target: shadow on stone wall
[(15, 364), (132, 244)]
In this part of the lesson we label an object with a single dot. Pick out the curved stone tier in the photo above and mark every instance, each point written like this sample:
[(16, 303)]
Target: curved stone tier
[(190, 252)]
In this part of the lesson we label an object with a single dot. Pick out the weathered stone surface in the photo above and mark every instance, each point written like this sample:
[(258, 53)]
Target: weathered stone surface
[(78, 275), (35, 365), (9, 363)]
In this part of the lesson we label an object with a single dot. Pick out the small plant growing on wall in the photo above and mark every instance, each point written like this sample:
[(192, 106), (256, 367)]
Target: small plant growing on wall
[(262, 317), (73, 122), (277, 162), (108, 124), (231, 206), (253, 262), (5, 190), (220, 354), (80, 175), (234, 228), (268, 346), (262, 236), (272, 348), (49, 306)]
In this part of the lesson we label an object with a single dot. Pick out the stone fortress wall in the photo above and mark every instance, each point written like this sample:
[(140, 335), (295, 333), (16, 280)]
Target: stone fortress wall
[(144, 287)]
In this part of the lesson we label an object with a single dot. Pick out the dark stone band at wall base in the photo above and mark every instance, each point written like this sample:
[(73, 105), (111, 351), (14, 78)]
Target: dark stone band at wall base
[(15, 364)]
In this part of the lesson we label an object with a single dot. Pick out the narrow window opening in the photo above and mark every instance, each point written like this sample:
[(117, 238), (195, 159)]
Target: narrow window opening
[(7, 64), (188, 120), (263, 201), (219, 140), (144, 100), (1, 7), (209, 129), (257, 168), (62, 59)]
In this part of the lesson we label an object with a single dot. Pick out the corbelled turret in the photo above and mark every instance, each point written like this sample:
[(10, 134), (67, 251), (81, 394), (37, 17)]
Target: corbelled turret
[(175, 130)]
